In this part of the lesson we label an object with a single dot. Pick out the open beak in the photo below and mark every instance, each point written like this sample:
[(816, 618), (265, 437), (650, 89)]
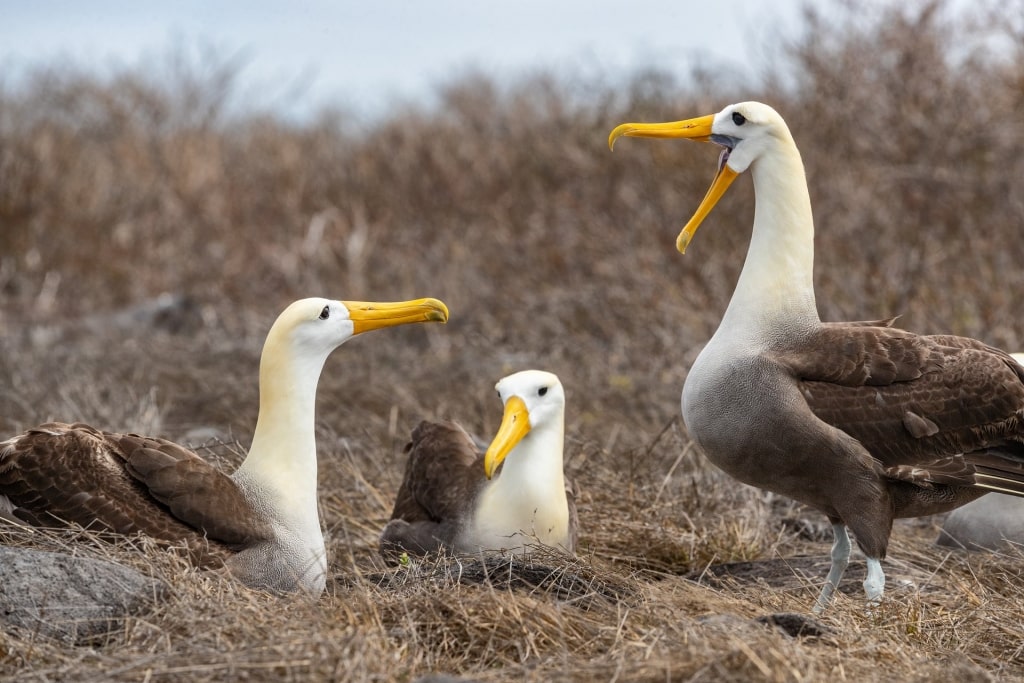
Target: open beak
[(372, 315), (515, 424), (692, 129)]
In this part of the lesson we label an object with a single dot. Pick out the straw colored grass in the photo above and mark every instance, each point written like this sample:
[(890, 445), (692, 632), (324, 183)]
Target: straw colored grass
[(552, 253)]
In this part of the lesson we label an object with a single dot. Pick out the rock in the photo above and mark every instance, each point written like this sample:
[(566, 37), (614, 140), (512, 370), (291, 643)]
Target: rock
[(67, 598), (797, 625), (993, 522), (790, 623)]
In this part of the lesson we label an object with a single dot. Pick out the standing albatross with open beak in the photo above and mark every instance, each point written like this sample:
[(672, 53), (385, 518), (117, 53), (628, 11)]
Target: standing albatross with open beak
[(453, 497), (862, 421), (260, 522)]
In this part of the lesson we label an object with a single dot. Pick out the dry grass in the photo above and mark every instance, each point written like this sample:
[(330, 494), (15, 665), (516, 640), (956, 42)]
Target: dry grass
[(552, 253)]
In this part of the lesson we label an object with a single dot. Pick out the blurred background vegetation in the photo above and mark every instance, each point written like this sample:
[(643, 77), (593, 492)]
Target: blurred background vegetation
[(115, 190), (504, 198)]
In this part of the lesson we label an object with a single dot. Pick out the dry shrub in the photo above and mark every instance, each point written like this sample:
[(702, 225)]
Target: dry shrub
[(554, 253), (915, 165)]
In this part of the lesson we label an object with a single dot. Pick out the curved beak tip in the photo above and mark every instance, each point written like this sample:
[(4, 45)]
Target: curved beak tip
[(683, 241), (618, 132), (440, 312)]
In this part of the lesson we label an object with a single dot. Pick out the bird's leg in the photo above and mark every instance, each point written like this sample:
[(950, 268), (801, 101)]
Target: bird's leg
[(840, 558), (874, 584)]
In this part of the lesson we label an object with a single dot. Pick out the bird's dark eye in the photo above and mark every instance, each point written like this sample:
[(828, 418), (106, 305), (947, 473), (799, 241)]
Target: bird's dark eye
[(738, 118), (326, 313), (542, 391)]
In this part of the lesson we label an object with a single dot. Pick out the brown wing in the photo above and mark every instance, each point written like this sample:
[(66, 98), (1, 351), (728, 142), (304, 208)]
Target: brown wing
[(930, 408), (443, 475), (860, 355), (59, 473), (194, 491)]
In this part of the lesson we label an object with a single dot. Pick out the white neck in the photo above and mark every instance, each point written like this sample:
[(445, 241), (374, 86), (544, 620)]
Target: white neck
[(527, 499), (531, 465), (776, 286), (281, 462)]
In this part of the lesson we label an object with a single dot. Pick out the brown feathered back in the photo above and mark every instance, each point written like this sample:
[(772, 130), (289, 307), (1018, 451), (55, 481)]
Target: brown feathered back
[(443, 476), (58, 474), (917, 399)]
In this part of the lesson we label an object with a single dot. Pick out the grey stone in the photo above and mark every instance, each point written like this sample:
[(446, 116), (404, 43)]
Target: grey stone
[(75, 600), (797, 625), (993, 522)]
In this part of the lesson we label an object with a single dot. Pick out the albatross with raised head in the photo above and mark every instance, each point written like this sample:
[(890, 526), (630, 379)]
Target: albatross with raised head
[(452, 496), (260, 522), (863, 421)]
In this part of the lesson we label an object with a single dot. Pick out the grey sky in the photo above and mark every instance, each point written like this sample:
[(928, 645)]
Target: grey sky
[(362, 54)]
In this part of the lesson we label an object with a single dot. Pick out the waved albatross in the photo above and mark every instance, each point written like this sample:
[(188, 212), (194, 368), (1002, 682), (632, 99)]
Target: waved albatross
[(863, 421), (451, 497), (261, 522)]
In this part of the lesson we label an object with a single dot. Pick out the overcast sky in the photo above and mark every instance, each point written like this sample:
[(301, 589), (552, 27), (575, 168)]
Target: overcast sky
[(300, 55)]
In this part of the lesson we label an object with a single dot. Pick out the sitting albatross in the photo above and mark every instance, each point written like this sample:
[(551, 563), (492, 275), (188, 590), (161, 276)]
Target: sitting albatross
[(261, 522), (862, 421), (451, 498)]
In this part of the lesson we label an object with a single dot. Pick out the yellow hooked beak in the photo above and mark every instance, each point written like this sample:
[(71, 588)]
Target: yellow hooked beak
[(515, 424), (372, 315), (692, 129)]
